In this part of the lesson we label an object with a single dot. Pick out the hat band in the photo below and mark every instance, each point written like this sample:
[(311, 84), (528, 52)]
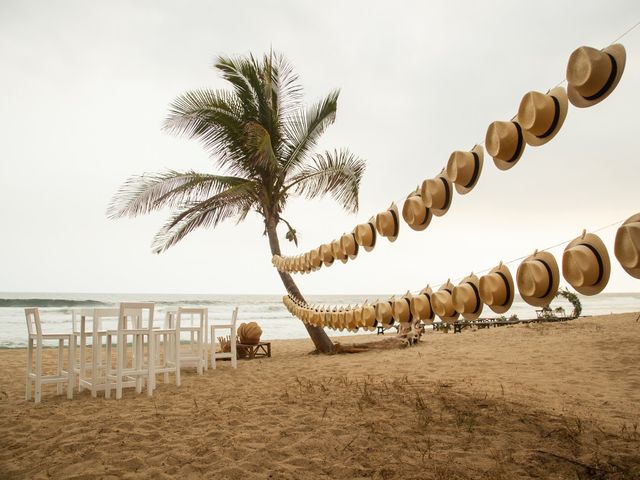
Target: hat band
[(373, 234), (355, 242), (599, 259), (519, 145), (447, 192), (396, 223), (508, 287), (550, 275), (609, 82), (476, 170), (556, 117), (475, 290), (409, 305)]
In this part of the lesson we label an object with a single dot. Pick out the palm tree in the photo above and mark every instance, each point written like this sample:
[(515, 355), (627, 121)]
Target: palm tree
[(262, 139)]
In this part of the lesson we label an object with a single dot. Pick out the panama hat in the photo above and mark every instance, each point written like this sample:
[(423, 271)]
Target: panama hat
[(338, 252), (541, 115), (593, 74), (349, 319), (315, 259), (384, 313), (464, 168), (586, 264), (349, 245), (497, 290), (365, 234), (627, 245), (538, 278), (437, 193), (342, 318), (466, 298), (357, 317), (388, 223), (415, 212), (505, 143), (442, 303), (421, 305), (326, 254), (402, 309), (333, 322), (368, 315)]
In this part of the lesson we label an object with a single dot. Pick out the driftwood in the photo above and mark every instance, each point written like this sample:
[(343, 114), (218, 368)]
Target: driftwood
[(225, 343), (391, 343)]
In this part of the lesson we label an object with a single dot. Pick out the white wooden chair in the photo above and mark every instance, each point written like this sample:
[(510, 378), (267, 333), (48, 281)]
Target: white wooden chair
[(96, 379), (194, 353), (233, 355), (36, 376)]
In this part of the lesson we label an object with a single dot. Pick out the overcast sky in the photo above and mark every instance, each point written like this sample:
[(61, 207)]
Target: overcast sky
[(85, 87)]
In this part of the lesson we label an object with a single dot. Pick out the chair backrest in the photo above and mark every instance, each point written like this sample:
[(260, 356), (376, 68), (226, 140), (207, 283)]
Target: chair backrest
[(136, 315), (76, 315), (234, 316), (33, 321), (100, 314), (199, 314)]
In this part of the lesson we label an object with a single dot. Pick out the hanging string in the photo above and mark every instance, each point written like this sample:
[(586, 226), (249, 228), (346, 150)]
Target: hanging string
[(482, 142)]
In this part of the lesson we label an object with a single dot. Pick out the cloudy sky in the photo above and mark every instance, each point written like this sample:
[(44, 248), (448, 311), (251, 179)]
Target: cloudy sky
[(85, 87)]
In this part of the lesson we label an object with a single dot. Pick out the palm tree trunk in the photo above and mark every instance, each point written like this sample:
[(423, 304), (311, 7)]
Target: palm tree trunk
[(319, 337)]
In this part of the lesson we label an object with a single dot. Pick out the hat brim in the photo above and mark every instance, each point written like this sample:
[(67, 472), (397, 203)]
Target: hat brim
[(619, 54), (560, 95), (464, 189), (396, 218), (551, 262), (634, 272), (595, 244), (504, 272), (448, 185), (374, 235), (396, 316), (474, 282), (506, 165), (419, 227), (449, 288)]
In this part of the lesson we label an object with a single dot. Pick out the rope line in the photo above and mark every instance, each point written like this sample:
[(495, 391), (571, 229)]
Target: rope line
[(482, 142)]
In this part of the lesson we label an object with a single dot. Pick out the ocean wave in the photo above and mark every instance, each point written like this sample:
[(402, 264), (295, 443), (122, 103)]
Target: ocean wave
[(47, 302)]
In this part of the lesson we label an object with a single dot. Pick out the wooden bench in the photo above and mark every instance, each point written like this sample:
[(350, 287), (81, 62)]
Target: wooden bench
[(249, 352)]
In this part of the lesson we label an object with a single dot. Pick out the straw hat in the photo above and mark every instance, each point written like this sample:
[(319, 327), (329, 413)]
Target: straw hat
[(338, 252), (586, 265), (464, 168), (541, 115), (333, 318), (627, 245), (357, 317), (505, 143), (349, 245), (326, 254), (368, 315), (402, 309), (421, 305), (497, 289), (437, 193), (388, 223), (466, 298), (349, 319), (415, 212), (593, 74), (384, 313), (538, 278), (342, 322), (365, 234), (442, 303), (315, 259)]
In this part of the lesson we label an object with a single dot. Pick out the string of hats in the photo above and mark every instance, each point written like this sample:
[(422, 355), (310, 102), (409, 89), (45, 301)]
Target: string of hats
[(586, 266), (591, 76)]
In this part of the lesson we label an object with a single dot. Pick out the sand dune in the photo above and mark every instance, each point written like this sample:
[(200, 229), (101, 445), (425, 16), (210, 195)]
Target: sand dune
[(529, 401)]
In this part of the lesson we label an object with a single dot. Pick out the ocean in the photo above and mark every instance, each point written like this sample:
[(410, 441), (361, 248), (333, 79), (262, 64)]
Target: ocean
[(267, 310)]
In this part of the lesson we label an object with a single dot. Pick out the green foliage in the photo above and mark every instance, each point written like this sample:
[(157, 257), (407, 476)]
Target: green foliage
[(573, 298), (261, 137)]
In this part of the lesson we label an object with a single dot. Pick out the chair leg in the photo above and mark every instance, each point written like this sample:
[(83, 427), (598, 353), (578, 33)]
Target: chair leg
[(107, 385), (234, 352), (71, 373), (38, 372), (176, 359), (96, 346), (60, 362), (166, 347), (29, 368), (119, 365), (213, 347), (83, 359), (138, 346), (200, 348), (152, 367)]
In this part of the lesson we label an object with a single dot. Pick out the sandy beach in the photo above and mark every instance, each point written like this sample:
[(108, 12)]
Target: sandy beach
[(527, 401)]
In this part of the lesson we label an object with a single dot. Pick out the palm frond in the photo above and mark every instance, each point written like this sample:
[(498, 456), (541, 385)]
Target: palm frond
[(338, 173), (234, 202), (259, 143), (141, 194), (304, 128)]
